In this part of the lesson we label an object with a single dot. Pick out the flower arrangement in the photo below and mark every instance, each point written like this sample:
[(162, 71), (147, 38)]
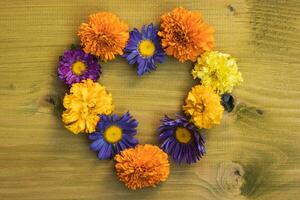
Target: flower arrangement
[(89, 106)]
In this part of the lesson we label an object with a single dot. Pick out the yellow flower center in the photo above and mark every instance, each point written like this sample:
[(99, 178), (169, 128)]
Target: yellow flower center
[(91, 105), (146, 48), (183, 135), (113, 134), (199, 107), (78, 67)]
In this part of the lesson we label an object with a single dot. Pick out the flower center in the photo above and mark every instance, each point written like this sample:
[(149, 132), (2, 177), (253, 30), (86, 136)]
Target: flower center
[(180, 36), (146, 48), (199, 107), (113, 134), (78, 67), (183, 135), (106, 41), (91, 105)]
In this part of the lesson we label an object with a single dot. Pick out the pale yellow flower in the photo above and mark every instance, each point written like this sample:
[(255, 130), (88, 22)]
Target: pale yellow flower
[(217, 70), (85, 102), (204, 107)]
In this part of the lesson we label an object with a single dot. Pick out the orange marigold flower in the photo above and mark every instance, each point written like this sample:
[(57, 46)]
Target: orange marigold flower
[(143, 166), (104, 35), (184, 34)]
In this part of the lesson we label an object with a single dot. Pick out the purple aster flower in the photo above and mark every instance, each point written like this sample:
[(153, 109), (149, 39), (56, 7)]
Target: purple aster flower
[(144, 48), (181, 139), (113, 134), (75, 66)]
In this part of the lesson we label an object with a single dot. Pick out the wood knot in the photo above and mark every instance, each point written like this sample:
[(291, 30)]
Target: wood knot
[(243, 110), (230, 178), (231, 9), (49, 103), (50, 99), (12, 86)]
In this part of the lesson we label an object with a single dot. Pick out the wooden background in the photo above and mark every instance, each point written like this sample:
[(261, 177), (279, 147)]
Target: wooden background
[(253, 154)]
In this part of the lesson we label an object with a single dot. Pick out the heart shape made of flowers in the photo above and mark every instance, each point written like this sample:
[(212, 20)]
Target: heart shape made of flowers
[(89, 106)]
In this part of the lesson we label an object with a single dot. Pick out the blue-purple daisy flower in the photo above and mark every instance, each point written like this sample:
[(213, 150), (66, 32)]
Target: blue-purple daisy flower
[(181, 139), (75, 65), (113, 134), (144, 48)]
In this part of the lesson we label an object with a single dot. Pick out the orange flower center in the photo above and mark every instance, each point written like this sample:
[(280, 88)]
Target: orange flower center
[(180, 36), (113, 134), (106, 41), (146, 48), (183, 135), (78, 67)]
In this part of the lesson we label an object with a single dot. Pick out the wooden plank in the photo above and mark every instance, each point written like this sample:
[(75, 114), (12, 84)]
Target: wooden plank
[(253, 154)]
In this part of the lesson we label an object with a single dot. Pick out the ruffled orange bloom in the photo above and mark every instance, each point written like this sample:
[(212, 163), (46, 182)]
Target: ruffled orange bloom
[(142, 166), (184, 34), (104, 35)]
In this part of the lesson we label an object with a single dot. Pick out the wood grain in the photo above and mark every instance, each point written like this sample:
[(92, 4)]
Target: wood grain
[(253, 154)]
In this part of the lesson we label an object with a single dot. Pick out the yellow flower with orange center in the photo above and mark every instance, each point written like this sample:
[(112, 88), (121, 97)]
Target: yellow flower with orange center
[(105, 35), (85, 102), (143, 166), (204, 107), (184, 34)]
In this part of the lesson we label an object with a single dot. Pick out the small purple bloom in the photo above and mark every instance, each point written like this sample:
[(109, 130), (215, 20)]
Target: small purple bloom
[(75, 65), (144, 48), (181, 140), (113, 134)]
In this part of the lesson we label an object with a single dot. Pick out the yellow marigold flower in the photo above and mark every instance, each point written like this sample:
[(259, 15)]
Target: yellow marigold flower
[(204, 107), (143, 166), (217, 70), (184, 34), (83, 105), (104, 35)]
